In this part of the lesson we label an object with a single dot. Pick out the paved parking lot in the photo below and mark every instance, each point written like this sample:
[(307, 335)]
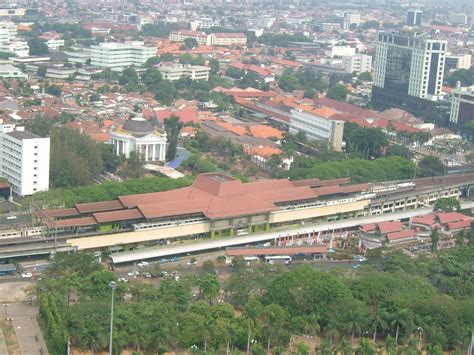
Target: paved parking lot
[(27, 330)]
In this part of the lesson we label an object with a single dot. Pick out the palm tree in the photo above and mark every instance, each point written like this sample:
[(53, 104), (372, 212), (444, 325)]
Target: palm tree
[(344, 347), (332, 331), (366, 347), (325, 348), (379, 321), (354, 324), (401, 318)]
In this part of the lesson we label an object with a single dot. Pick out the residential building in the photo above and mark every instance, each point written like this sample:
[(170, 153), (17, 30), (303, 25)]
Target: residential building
[(317, 127), (461, 61), (61, 73), (121, 55), (55, 44), (359, 63), (328, 26), (351, 19), (414, 17), (227, 39), (204, 22), (19, 48), (10, 28), (141, 136), (80, 57), (409, 66), (181, 35), (4, 36), (24, 160), (341, 51), (462, 106), (177, 71), (10, 71)]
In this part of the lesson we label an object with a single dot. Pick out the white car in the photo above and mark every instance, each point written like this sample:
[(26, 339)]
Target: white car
[(133, 273), (122, 279), (11, 217), (142, 264), (27, 275)]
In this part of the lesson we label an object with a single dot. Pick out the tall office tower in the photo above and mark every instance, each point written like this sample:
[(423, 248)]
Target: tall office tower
[(409, 70), (414, 17)]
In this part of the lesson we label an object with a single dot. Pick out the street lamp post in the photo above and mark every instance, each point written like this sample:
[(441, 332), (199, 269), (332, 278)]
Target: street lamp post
[(112, 285)]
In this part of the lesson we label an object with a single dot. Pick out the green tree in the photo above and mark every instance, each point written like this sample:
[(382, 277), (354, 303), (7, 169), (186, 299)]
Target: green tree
[(190, 43), (133, 168), (434, 240), (209, 286), (172, 127), (54, 90), (274, 317), (399, 150), (129, 76), (337, 92), (365, 76), (447, 204), (430, 166), (402, 318), (37, 47)]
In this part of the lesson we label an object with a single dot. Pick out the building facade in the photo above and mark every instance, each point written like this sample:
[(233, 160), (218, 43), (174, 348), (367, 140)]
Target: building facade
[(414, 17), (139, 135), (121, 55), (177, 71), (24, 160), (180, 36), (317, 128), (10, 71), (408, 66), (204, 22), (462, 106), (359, 63), (227, 39)]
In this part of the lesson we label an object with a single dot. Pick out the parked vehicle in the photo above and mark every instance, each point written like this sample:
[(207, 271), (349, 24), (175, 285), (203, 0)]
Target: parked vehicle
[(27, 275), (142, 264)]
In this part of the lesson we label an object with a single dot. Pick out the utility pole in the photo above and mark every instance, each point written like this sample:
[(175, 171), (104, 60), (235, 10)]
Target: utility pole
[(112, 285)]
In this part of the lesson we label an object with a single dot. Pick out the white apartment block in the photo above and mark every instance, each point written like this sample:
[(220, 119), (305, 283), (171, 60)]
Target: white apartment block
[(227, 39), (204, 22), (350, 19), (177, 71), (55, 44), (4, 36), (317, 128), (359, 63), (19, 48), (180, 36), (9, 27), (120, 55), (10, 71), (341, 51), (24, 160)]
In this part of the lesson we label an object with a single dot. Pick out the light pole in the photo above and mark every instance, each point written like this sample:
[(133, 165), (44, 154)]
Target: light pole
[(112, 285), (5, 310)]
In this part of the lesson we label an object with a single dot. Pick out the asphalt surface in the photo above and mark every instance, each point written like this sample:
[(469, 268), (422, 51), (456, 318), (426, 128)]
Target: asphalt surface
[(27, 330)]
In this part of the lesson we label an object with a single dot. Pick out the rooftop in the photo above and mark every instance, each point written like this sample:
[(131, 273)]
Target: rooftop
[(22, 135)]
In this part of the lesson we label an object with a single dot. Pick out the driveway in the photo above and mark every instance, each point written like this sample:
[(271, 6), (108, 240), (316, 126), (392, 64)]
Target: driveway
[(26, 327)]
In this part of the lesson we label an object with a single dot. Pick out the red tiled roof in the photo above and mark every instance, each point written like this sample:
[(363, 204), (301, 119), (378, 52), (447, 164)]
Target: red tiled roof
[(99, 206), (459, 225), (390, 226), (61, 212), (426, 220), (115, 216), (72, 222), (276, 251), (408, 233), (448, 217), (368, 227)]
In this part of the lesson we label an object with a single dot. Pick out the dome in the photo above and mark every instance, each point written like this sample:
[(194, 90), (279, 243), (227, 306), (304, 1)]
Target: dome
[(138, 125)]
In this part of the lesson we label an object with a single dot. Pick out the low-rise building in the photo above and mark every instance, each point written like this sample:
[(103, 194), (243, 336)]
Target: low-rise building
[(181, 35), (317, 127), (227, 39), (55, 44), (177, 71), (462, 106), (24, 160), (139, 135), (340, 51), (121, 55), (18, 48), (10, 71), (204, 22), (59, 72)]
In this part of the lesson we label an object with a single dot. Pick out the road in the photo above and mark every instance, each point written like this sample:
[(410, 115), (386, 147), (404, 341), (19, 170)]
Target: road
[(27, 330)]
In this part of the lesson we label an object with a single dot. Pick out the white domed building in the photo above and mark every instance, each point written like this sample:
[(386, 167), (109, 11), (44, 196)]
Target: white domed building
[(139, 135)]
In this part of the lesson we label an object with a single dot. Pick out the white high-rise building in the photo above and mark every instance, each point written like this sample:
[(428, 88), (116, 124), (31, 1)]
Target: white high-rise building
[(408, 65), (359, 63), (121, 55), (24, 160)]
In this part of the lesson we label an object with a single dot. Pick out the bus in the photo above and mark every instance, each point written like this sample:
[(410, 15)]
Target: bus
[(286, 259)]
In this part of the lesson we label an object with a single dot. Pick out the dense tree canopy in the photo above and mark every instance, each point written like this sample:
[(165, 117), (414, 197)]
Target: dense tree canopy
[(37, 47)]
